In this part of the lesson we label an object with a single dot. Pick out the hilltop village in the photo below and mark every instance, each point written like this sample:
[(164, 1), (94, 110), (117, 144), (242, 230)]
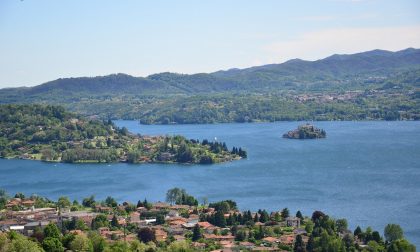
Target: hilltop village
[(180, 224)]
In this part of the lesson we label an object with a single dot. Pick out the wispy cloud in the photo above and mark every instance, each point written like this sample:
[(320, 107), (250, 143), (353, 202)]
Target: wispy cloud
[(318, 44), (350, 1), (318, 18)]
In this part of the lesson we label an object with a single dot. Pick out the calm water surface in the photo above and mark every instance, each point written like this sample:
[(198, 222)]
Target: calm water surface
[(368, 172)]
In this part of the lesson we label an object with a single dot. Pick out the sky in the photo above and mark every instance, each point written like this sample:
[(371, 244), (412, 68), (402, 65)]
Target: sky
[(44, 40)]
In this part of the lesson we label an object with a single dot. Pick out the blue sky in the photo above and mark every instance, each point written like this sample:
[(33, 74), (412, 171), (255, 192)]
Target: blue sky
[(45, 40)]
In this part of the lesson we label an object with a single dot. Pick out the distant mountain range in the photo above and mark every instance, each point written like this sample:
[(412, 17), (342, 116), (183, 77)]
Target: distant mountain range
[(376, 84), (289, 75)]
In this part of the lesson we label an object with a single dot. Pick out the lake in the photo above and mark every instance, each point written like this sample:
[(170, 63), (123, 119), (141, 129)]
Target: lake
[(367, 172)]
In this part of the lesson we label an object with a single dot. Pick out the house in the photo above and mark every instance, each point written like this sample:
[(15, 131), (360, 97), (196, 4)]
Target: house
[(293, 222), (287, 239), (103, 209), (172, 213), (177, 223), (76, 232), (198, 245), (176, 231), (161, 205), (103, 230), (17, 228), (219, 237), (85, 216), (134, 217), (30, 227), (265, 249), (180, 207), (5, 224), (161, 235), (227, 244), (247, 245), (207, 227), (271, 240), (28, 203)]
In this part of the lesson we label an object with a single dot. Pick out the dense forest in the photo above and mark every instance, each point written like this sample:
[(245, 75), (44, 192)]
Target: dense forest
[(50, 133), (375, 85)]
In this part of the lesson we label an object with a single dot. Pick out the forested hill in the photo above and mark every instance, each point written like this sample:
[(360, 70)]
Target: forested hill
[(374, 85), (50, 133), (296, 73)]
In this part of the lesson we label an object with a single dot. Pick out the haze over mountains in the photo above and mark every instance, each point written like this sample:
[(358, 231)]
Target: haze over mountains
[(294, 73), (376, 84)]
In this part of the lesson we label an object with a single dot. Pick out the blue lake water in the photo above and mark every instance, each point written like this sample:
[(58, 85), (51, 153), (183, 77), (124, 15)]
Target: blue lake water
[(367, 172)]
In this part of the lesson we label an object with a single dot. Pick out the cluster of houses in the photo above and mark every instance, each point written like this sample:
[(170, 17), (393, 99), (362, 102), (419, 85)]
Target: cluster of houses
[(175, 226), (324, 98)]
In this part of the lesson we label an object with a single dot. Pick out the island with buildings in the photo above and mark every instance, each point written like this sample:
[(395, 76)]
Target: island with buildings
[(306, 131)]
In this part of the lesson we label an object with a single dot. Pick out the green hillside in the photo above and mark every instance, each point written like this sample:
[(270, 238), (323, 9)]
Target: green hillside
[(374, 85), (50, 133)]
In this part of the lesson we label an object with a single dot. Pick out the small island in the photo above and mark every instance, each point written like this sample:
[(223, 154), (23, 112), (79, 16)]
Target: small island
[(50, 133), (306, 131)]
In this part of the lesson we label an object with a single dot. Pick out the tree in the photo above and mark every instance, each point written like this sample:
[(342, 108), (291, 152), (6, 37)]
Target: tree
[(38, 234), (3, 199), (100, 221), (376, 237), (119, 246), (133, 156), (160, 219), (277, 217), (219, 219), (98, 242), (111, 202), (114, 222), (264, 217), (224, 205), (341, 225), (357, 231), (52, 231), (309, 227), (285, 213), (175, 194), (393, 232), (310, 245), (17, 242), (317, 215), (299, 215), (20, 195), (67, 239), (179, 246), (81, 243), (240, 235), (52, 244), (124, 131), (348, 240), (89, 202), (63, 202), (184, 154), (81, 225), (401, 245), (196, 233), (146, 235), (299, 246)]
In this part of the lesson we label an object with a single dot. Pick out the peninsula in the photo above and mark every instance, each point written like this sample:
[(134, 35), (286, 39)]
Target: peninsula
[(306, 131), (50, 133)]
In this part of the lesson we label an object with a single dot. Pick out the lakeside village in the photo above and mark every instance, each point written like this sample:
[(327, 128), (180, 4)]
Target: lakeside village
[(180, 224)]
